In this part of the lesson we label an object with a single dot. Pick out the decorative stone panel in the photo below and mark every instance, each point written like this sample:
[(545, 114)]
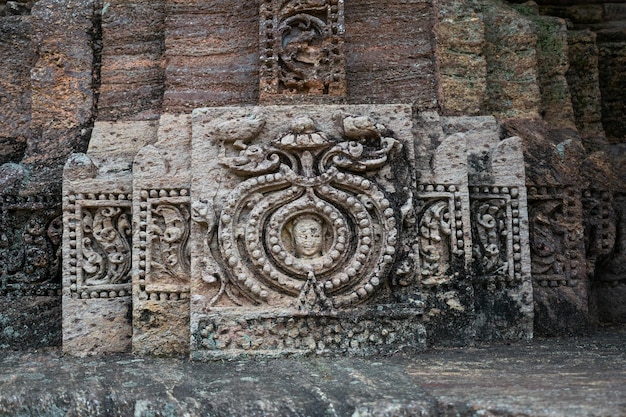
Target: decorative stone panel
[(297, 212), (555, 244), (98, 229), (301, 50), (310, 229), (98, 237), (30, 246), (161, 242)]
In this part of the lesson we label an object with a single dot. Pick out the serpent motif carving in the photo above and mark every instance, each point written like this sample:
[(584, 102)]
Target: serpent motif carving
[(307, 224)]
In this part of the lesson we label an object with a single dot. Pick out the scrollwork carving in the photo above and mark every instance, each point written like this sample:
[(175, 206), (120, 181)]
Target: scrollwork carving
[(106, 234), (163, 252), (169, 243), (98, 248), (553, 241), (490, 236), (435, 231)]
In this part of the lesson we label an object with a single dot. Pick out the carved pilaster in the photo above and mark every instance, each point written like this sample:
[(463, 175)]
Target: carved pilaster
[(98, 228)]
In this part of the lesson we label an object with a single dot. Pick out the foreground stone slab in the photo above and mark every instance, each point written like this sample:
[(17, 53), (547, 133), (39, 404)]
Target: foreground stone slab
[(559, 377)]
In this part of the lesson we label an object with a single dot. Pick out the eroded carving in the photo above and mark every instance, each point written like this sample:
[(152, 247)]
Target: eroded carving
[(496, 234), (440, 233), (600, 225), (30, 241), (553, 240), (301, 48), (370, 332)]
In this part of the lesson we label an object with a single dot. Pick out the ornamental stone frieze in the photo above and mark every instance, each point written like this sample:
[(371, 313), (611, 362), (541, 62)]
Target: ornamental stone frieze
[(272, 230)]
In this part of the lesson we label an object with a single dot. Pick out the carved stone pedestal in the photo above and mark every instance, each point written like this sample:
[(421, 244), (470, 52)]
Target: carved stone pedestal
[(282, 230)]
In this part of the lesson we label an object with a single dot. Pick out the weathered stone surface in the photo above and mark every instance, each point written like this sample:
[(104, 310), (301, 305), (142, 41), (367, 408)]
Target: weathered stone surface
[(612, 47), (510, 52), (583, 80), (61, 86), (132, 74), (211, 52), (580, 377), (460, 60), (18, 56), (383, 66), (552, 65), (96, 326), (29, 321)]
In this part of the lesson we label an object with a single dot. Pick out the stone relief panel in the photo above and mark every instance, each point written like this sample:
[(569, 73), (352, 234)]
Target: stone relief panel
[(554, 240), (496, 233), (301, 49), (441, 241), (30, 246), (162, 247), (298, 210), (161, 242), (98, 229)]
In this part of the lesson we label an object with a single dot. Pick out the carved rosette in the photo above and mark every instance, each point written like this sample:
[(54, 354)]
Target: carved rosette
[(163, 244), (496, 234), (307, 228), (99, 233), (301, 48)]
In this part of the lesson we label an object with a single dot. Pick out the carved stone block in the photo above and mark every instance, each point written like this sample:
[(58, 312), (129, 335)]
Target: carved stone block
[(500, 265), (161, 251), (97, 240), (276, 230), (30, 269), (297, 213), (561, 289), (301, 50), (554, 242)]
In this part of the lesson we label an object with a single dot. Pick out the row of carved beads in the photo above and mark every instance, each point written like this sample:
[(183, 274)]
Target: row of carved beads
[(163, 296), (303, 333)]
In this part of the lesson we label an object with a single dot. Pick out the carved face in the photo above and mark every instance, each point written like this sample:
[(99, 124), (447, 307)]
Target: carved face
[(308, 236)]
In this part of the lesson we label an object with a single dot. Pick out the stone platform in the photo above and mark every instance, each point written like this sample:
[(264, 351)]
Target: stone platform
[(570, 377)]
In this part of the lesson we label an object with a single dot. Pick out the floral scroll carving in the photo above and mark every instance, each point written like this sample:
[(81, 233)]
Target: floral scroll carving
[(99, 234), (554, 240), (163, 244)]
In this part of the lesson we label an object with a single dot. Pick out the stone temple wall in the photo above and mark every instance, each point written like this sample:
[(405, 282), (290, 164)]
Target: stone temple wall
[(501, 127)]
